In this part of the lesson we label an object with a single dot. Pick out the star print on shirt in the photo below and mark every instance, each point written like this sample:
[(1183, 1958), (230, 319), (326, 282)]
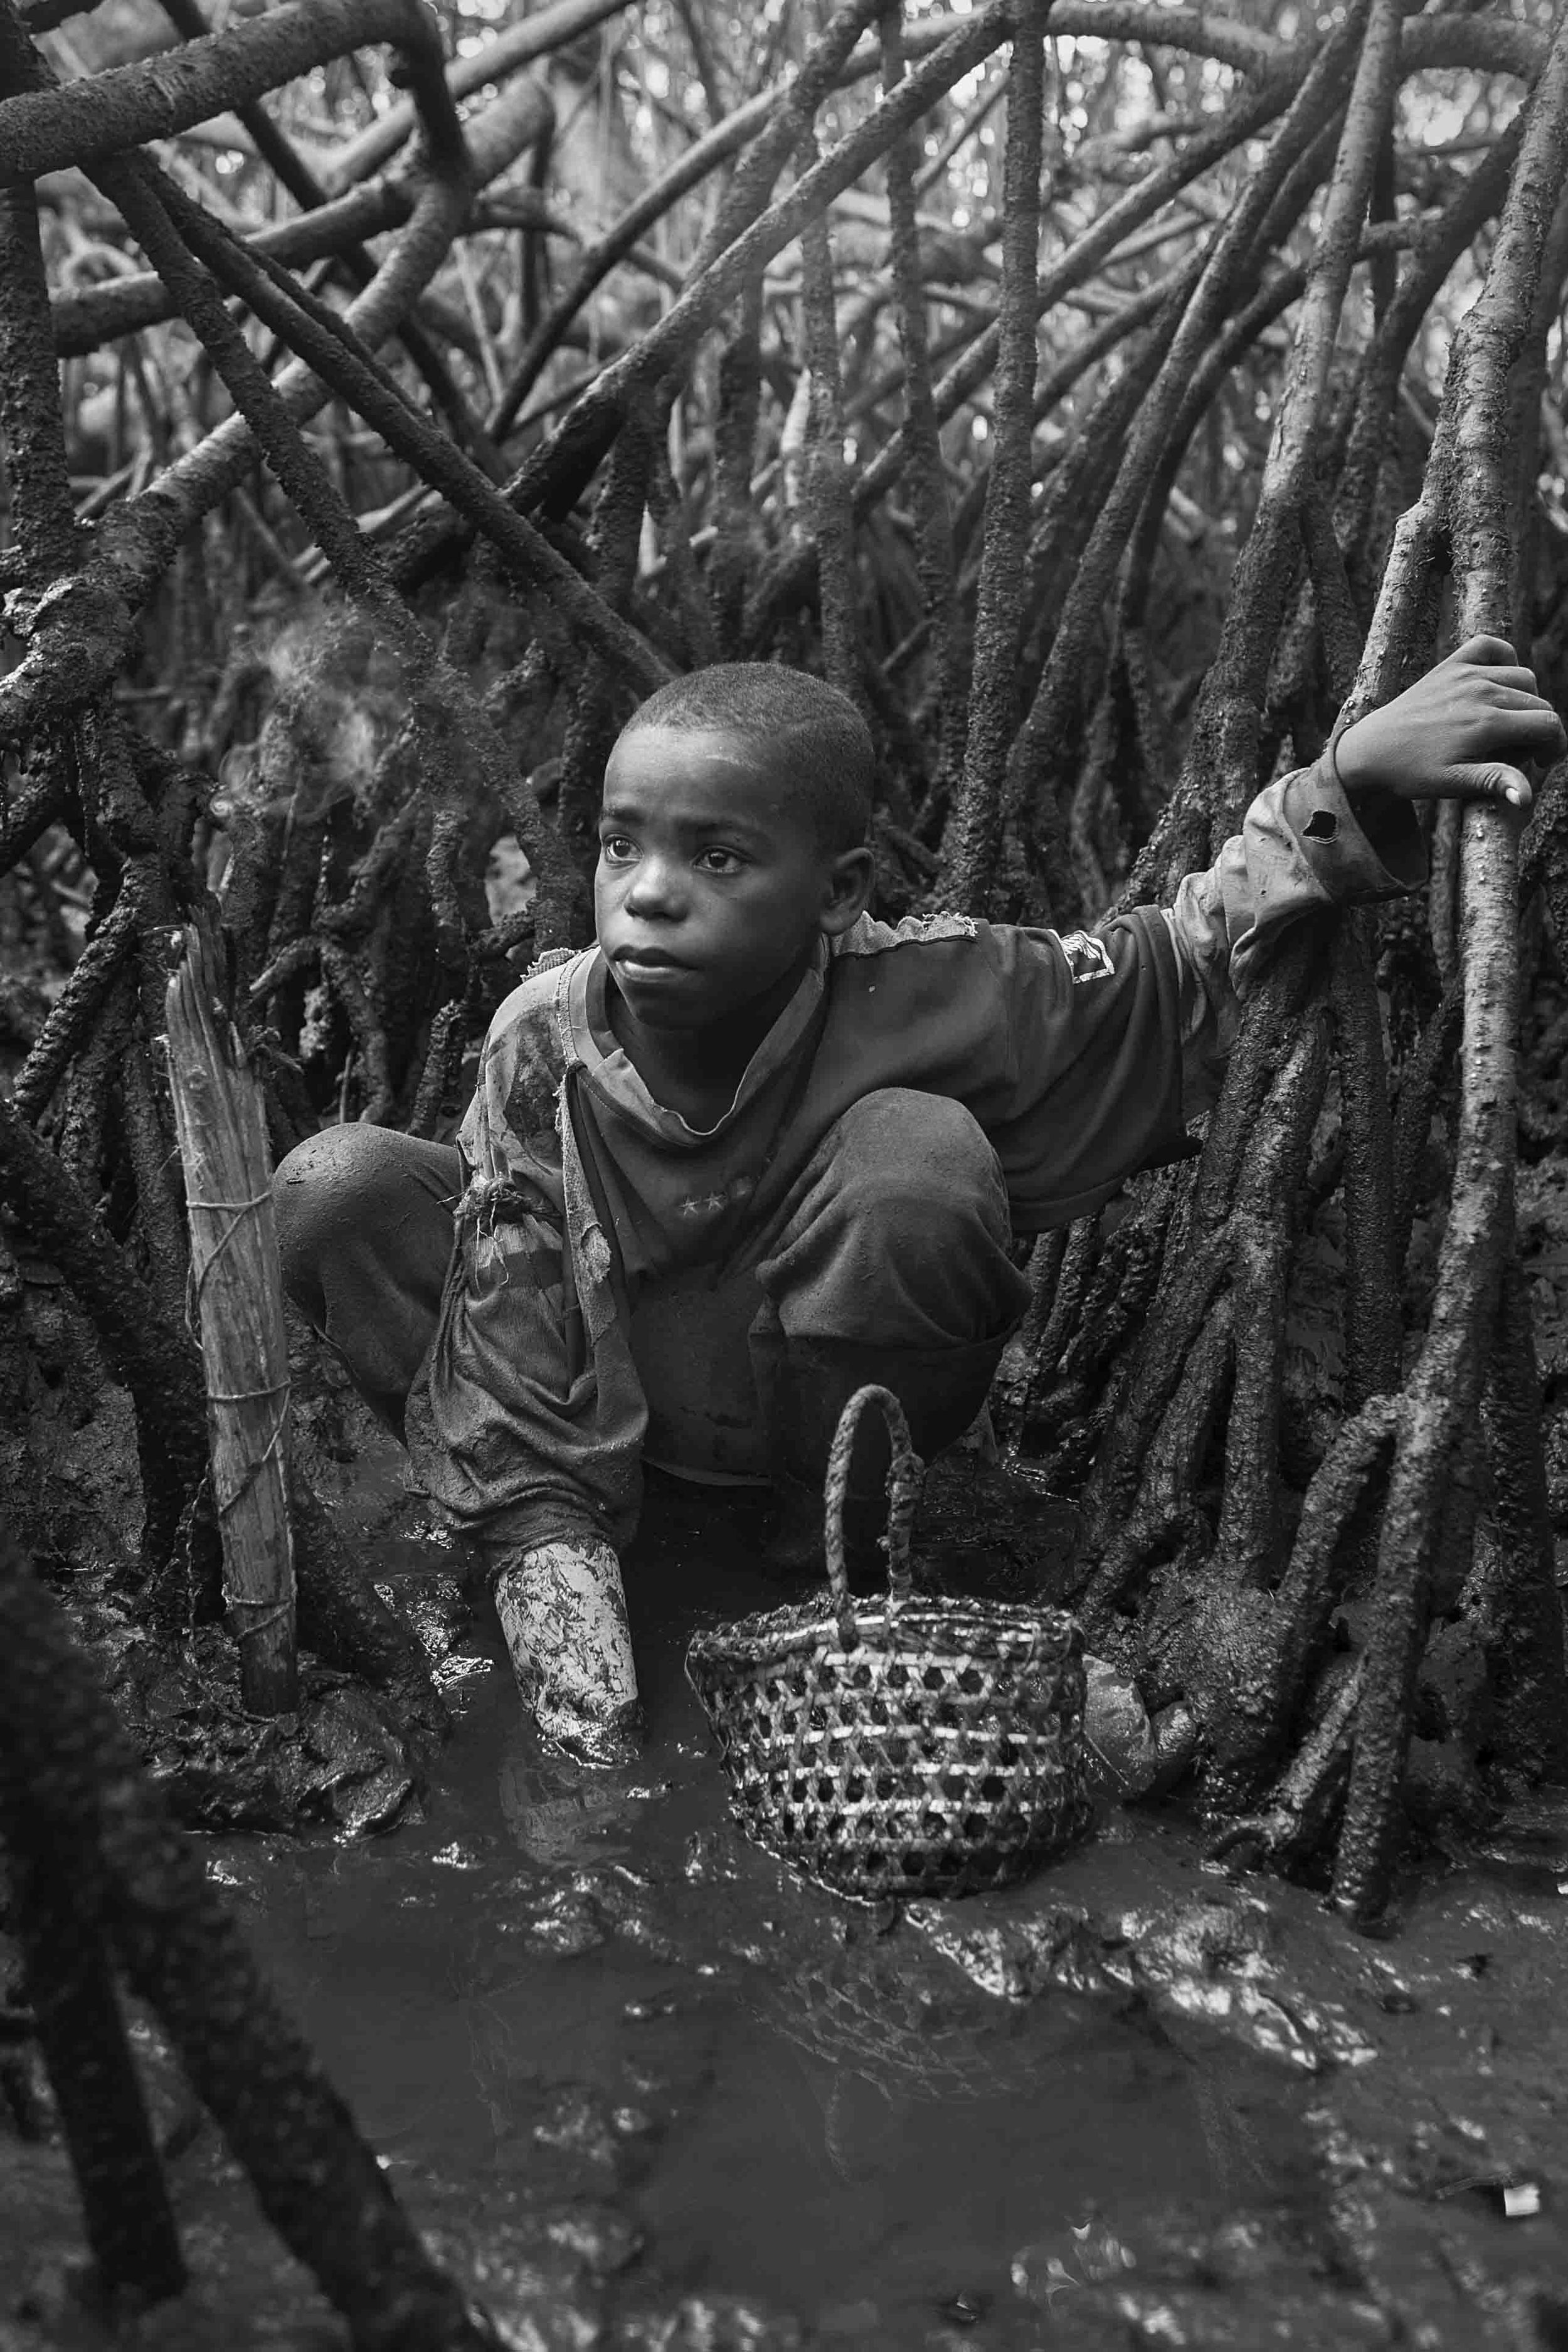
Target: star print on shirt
[(705, 1205)]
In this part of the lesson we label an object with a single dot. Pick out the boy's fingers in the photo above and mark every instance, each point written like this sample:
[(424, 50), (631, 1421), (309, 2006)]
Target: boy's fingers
[(1498, 782), (1488, 652), (1536, 725), (1521, 726)]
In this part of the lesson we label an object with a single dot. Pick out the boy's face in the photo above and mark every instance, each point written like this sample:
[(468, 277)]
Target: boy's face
[(712, 886)]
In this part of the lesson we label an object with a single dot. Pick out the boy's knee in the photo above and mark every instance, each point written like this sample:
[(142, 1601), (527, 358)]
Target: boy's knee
[(902, 1238), (320, 1189), (899, 1152), (364, 1236), (353, 1189)]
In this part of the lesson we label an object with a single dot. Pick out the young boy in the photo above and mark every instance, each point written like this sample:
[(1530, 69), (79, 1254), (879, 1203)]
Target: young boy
[(754, 1148)]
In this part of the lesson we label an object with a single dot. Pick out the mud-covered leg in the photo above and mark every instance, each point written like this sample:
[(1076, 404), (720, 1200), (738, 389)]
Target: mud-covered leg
[(563, 1611)]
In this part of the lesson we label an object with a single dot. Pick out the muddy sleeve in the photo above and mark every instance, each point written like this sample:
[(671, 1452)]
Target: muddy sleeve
[(511, 1431), (519, 1431), (1300, 848)]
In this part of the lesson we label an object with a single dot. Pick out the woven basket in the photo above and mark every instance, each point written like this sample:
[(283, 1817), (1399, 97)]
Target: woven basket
[(913, 1746)]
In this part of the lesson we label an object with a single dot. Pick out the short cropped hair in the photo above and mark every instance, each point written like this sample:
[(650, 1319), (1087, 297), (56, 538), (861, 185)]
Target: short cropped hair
[(813, 729)]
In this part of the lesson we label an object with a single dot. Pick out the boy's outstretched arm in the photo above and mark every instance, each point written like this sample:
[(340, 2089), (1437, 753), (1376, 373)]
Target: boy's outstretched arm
[(1462, 731), (1345, 830), (1113, 1043)]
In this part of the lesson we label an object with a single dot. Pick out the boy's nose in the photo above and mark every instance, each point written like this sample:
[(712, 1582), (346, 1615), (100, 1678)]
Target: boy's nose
[(655, 888)]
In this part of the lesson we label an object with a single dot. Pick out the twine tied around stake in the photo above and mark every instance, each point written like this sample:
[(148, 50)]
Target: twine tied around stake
[(235, 1305), (237, 1210)]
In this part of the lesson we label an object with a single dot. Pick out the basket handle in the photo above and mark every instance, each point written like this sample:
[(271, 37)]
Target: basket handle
[(903, 1493)]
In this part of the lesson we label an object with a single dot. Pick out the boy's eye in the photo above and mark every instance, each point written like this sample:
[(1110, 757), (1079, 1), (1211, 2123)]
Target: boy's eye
[(616, 849), (719, 861)]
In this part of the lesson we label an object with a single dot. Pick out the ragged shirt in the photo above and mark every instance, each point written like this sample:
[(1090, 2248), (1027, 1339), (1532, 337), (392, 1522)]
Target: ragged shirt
[(1082, 1057)]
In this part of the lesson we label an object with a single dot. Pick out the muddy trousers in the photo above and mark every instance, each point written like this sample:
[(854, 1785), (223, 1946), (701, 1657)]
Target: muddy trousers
[(890, 1261)]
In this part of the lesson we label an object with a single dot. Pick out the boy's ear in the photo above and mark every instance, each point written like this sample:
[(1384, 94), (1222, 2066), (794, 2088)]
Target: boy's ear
[(849, 880)]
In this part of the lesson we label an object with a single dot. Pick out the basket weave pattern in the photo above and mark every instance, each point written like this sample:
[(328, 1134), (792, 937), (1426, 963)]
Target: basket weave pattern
[(913, 1746)]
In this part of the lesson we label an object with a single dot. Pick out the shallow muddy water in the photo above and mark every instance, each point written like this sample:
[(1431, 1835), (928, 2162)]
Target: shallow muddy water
[(564, 1985), (644, 2088)]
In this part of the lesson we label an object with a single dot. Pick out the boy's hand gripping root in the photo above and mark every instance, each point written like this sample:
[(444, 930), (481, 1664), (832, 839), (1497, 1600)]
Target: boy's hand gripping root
[(563, 1611), (1460, 732)]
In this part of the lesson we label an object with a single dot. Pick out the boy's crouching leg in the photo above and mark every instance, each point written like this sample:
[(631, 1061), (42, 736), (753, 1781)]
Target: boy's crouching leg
[(364, 1236), (893, 1266), (563, 1611)]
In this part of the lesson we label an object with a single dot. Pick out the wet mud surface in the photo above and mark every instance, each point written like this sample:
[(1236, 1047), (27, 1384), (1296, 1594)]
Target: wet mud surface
[(644, 2089)]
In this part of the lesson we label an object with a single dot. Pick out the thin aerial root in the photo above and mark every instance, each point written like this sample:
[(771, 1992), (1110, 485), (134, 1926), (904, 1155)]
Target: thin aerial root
[(1292, 1822), (1423, 1075), (1164, 1507), (126, 2215), (1372, 1288), (1333, 1497), (1523, 1605), (928, 478), (1023, 1359), (827, 480), (80, 1003), (972, 839)]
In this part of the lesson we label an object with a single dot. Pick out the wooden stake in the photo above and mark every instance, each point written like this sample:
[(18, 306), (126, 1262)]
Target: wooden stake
[(237, 1304)]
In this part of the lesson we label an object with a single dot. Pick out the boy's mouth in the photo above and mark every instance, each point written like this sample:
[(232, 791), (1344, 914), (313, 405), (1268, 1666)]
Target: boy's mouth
[(642, 963)]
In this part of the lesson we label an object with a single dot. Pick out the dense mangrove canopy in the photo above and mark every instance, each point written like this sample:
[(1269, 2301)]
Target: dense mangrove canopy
[(1106, 395)]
